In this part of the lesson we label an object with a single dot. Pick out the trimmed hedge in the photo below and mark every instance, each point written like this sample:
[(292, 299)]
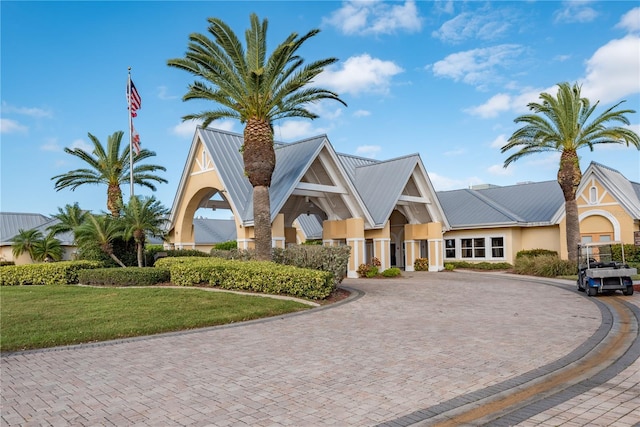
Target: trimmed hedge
[(257, 276), (392, 272), (332, 259), (270, 278), (151, 251), (131, 276), (49, 273), (480, 265)]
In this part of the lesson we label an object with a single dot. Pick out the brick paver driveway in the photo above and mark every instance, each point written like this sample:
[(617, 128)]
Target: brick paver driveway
[(402, 346)]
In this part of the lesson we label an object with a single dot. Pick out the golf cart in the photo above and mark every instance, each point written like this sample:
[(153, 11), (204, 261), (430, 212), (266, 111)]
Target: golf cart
[(600, 270)]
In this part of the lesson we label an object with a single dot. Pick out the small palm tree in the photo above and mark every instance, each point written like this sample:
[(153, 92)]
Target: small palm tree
[(71, 217), (564, 123), (103, 230), (110, 167), (47, 249), (24, 242), (256, 90), (142, 216)]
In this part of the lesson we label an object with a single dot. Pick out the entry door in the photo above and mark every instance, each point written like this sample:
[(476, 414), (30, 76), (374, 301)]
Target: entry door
[(393, 254)]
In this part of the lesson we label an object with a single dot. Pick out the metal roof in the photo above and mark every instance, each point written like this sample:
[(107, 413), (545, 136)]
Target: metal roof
[(531, 203), (210, 231), (380, 184), (11, 223), (224, 149)]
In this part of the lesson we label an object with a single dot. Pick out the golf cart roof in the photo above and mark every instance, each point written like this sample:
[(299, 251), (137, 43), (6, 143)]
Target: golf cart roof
[(592, 244)]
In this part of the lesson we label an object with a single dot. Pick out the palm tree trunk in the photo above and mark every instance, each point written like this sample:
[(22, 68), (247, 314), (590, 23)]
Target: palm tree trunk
[(569, 177), (259, 162), (117, 260), (114, 199), (262, 222)]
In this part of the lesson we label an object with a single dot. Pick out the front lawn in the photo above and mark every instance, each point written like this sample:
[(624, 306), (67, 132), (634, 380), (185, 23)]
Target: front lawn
[(48, 316)]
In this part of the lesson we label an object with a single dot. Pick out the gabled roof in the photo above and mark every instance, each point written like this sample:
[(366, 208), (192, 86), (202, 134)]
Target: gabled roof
[(380, 184), (522, 204), (625, 191)]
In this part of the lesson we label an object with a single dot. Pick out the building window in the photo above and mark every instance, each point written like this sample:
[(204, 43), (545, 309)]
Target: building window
[(450, 248), (472, 248), (497, 247), (593, 195)]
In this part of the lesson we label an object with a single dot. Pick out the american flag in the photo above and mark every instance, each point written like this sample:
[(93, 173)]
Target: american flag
[(133, 98), (135, 140)]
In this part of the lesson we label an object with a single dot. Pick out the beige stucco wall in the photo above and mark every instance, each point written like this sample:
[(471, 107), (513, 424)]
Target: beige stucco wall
[(6, 254)]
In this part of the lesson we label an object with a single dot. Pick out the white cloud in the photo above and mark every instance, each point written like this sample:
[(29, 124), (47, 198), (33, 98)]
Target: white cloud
[(290, 130), (163, 93), (369, 151), (11, 126), (500, 141), (630, 21), (483, 24), (372, 17), (477, 66), (575, 11), (612, 71), (505, 102), (359, 74), (444, 6), (361, 113), (81, 144), (51, 144), (187, 128), (494, 106), (500, 170), (26, 111), (443, 183)]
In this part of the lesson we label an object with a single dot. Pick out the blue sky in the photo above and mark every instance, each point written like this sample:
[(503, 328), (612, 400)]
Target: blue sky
[(444, 79)]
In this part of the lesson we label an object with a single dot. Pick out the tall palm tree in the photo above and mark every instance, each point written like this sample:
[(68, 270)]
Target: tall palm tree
[(103, 230), (47, 249), (142, 216), (564, 123), (24, 241), (110, 167), (257, 90), (70, 217)]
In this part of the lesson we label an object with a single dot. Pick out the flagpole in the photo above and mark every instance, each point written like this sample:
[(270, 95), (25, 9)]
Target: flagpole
[(130, 133)]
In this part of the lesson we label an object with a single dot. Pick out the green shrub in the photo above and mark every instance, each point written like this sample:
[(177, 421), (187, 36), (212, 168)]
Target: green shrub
[(49, 273), (481, 265), (449, 266), (226, 246), (544, 266), (5, 263), (131, 276), (421, 264), (268, 277), (631, 253), (363, 270), (372, 272), (257, 276), (236, 253), (535, 252), (391, 272), (333, 259), (150, 253)]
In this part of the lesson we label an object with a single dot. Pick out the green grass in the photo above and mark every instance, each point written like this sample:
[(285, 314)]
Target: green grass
[(48, 316)]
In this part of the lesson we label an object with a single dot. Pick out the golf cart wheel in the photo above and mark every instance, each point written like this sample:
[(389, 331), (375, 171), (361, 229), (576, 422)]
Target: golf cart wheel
[(628, 291), (580, 288), (592, 292)]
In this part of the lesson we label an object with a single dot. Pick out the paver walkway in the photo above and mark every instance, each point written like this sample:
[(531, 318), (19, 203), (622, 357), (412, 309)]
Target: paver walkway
[(406, 345)]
